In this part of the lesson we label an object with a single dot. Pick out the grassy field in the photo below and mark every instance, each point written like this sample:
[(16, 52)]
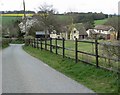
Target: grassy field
[(61, 17), (99, 22), (7, 20), (98, 80), (11, 17)]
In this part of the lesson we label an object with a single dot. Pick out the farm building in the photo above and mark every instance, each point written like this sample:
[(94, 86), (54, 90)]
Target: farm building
[(54, 34), (107, 32), (78, 32), (92, 33), (62, 34), (41, 34), (102, 31)]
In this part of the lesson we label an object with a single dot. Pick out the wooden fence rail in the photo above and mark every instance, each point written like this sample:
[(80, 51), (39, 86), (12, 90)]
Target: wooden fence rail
[(38, 43)]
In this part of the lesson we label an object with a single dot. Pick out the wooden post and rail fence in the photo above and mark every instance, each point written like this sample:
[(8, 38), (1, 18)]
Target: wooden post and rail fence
[(39, 43)]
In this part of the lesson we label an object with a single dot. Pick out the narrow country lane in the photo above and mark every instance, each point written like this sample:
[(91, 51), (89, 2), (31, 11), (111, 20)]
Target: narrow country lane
[(0, 71), (22, 73)]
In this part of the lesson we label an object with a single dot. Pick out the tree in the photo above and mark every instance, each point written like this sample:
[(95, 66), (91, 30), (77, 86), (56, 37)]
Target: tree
[(46, 17), (64, 24), (35, 27), (115, 22), (14, 30)]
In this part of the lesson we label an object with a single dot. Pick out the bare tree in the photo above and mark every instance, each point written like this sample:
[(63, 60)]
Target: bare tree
[(115, 22), (46, 17)]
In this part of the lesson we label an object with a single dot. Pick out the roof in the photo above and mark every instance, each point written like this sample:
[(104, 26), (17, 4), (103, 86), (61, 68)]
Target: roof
[(80, 27), (41, 33), (103, 27), (92, 31)]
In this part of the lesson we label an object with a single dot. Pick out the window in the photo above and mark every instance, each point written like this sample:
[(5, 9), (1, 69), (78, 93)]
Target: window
[(74, 31)]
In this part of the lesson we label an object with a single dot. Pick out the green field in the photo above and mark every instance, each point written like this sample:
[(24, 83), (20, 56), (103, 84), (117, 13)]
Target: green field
[(99, 22), (7, 20)]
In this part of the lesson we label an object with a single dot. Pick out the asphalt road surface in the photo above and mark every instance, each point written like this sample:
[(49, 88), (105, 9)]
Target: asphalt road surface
[(0, 71), (22, 73)]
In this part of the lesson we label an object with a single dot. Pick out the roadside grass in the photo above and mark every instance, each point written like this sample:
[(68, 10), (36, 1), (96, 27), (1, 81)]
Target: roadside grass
[(98, 80), (100, 22), (4, 46)]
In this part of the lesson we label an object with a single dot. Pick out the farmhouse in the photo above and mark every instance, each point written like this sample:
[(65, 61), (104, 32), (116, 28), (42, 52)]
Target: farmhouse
[(102, 31), (107, 32), (92, 33), (78, 32)]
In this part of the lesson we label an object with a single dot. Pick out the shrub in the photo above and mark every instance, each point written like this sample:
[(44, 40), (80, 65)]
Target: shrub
[(27, 40), (111, 50), (5, 42), (17, 41)]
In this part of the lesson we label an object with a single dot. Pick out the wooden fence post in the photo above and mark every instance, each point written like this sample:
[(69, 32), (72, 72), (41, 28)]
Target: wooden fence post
[(45, 44), (29, 43), (41, 43), (63, 46), (50, 44), (34, 43), (76, 49), (96, 51), (56, 45), (37, 44)]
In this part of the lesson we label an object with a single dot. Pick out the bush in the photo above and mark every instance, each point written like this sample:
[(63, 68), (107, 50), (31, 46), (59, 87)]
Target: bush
[(17, 41), (101, 38), (111, 50), (5, 42), (27, 40)]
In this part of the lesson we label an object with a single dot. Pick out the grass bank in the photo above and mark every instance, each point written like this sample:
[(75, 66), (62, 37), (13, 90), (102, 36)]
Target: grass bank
[(96, 79), (100, 22)]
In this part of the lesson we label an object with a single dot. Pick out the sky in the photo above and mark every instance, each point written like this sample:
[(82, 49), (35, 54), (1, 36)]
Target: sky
[(105, 6)]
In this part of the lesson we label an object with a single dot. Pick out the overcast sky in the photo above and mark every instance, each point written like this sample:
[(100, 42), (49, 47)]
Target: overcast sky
[(105, 6)]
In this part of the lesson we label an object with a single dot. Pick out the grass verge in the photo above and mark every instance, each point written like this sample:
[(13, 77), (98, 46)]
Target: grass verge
[(4, 46), (98, 80)]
